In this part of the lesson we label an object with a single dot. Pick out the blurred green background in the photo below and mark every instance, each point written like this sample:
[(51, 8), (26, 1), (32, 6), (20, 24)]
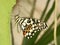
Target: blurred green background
[(5, 11)]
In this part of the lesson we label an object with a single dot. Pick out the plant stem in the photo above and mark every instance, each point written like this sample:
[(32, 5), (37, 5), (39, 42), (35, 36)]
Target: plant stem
[(55, 27)]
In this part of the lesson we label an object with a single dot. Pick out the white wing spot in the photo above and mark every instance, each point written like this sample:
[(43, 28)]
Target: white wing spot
[(29, 33), (28, 37)]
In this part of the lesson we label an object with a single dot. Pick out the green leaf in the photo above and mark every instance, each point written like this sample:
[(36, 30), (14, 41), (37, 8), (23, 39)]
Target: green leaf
[(58, 35), (44, 11), (49, 12)]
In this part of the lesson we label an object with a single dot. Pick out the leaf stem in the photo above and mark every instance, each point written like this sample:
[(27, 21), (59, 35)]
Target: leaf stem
[(55, 27)]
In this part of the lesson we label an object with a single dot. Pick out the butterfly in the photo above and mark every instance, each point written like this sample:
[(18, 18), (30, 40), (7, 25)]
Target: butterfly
[(30, 26)]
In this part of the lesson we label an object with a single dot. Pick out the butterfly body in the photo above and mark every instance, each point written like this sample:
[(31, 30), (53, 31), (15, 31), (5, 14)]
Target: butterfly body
[(30, 26)]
